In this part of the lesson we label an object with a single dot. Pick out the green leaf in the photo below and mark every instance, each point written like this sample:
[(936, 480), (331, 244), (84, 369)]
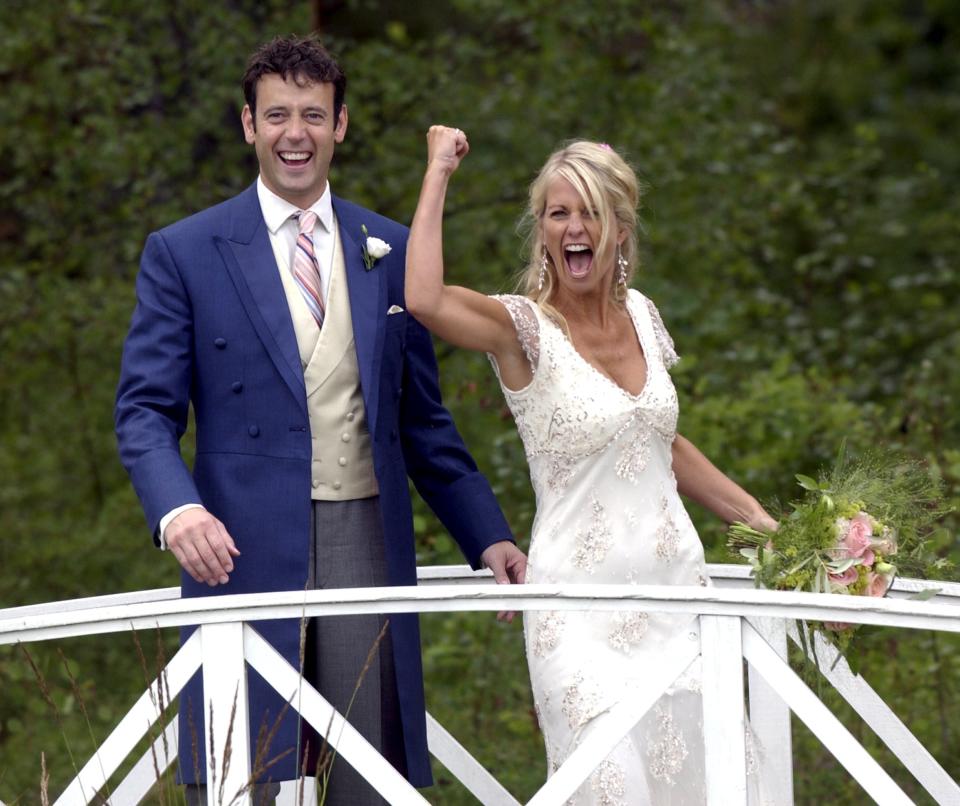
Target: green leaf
[(926, 593), (806, 482), (839, 566)]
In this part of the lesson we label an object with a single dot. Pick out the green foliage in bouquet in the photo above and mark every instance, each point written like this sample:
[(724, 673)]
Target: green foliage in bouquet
[(852, 532)]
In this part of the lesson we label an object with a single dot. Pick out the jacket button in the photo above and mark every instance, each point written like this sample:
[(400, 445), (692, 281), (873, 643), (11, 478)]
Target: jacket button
[(237, 387), (254, 431), (220, 343)]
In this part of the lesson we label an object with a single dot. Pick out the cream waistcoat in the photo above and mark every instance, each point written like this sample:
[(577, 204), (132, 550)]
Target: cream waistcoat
[(342, 467)]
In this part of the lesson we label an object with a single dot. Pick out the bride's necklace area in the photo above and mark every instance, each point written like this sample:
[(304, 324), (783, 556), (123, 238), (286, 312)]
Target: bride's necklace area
[(609, 343), (608, 350)]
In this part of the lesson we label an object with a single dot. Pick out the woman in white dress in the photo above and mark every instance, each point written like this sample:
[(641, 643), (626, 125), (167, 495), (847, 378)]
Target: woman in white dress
[(583, 363)]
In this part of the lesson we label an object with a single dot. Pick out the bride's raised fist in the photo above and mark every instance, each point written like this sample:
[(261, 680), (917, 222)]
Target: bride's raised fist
[(446, 147)]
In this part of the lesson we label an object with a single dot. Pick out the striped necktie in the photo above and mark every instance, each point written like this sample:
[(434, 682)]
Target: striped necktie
[(306, 270)]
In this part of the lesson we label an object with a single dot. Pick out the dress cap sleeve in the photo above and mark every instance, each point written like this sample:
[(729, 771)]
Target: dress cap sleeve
[(526, 324), (668, 352)]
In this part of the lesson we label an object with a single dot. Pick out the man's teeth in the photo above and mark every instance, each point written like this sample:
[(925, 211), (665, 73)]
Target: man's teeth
[(295, 155)]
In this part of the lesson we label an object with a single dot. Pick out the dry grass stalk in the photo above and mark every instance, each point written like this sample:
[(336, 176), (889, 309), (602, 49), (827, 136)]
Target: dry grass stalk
[(48, 698), (301, 656), (228, 745), (78, 696), (325, 762), (194, 739), (44, 781), (301, 788), (261, 764), (161, 701), (212, 778)]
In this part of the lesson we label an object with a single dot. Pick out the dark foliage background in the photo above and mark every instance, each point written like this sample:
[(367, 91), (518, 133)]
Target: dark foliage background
[(802, 242)]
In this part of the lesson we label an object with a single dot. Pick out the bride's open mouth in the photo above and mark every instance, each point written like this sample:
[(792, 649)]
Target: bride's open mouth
[(579, 259)]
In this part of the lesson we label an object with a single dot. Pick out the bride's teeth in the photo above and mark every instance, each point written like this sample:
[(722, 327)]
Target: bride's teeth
[(577, 247)]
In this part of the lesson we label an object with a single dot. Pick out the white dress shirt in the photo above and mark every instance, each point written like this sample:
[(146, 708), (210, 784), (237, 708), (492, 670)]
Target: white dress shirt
[(282, 228)]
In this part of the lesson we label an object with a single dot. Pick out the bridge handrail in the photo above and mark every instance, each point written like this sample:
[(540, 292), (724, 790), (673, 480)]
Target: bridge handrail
[(721, 575), (457, 588), (163, 613)]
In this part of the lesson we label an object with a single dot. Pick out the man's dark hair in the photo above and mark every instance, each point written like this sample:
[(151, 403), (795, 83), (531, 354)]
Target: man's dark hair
[(301, 58)]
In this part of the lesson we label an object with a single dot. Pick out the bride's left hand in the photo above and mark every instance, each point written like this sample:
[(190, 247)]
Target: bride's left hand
[(763, 522)]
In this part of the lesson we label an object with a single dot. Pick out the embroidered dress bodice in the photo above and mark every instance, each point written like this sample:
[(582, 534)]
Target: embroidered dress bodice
[(608, 512)]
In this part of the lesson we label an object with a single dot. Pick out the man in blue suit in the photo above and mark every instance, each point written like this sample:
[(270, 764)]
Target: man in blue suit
[(315, 397)]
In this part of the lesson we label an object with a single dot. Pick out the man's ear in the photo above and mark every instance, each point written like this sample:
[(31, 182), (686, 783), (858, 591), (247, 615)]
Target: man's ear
[(340, 131), (249, 125)]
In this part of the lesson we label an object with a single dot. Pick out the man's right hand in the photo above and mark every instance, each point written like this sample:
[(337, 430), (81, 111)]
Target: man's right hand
[(202, 545)]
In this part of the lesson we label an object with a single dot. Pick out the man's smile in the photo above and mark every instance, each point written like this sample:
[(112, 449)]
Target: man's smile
[(294, 158)]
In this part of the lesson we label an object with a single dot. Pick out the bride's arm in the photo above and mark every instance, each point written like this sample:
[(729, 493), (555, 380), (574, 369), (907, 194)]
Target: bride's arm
[(458, 315), (699, 479)]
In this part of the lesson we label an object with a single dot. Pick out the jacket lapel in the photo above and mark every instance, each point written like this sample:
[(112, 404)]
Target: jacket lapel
[(249, 259), (367, 291)]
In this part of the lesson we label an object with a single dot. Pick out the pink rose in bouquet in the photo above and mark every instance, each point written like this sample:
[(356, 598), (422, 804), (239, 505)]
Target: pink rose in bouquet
[(886, 543), (845, 579), (878, 584), (838, 626), (855, 538)]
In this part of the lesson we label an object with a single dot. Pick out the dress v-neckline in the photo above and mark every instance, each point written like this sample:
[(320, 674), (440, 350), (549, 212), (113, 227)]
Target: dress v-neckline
[(639, 331)]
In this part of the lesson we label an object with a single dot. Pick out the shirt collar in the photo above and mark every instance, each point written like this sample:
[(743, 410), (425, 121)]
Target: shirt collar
[(276, 211)]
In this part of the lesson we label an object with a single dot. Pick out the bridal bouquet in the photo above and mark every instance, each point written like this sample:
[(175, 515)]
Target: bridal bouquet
[(851, 532)]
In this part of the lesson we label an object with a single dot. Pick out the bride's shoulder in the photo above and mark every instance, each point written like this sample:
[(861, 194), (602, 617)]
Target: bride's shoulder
[(641, 302), (668, 350), (635, 296)]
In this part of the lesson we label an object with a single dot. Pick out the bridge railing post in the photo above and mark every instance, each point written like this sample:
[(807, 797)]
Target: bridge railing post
[(724, 722), (770, 720), (226, 713)]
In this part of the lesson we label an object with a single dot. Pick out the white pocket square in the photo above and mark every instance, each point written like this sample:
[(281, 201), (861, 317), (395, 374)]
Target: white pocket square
[(394, 309)]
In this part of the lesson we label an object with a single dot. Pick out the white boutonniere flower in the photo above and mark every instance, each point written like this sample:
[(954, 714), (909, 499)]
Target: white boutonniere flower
[(373, 248)]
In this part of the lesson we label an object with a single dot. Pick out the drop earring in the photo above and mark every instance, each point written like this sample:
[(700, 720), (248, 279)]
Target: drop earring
[(543, 269), (622, 266)]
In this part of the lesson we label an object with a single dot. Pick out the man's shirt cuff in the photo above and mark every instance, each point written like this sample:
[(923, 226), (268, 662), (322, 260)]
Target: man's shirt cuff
[(165, 521)]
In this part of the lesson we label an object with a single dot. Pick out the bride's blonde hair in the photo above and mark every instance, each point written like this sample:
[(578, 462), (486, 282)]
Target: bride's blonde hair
[(607, 184)]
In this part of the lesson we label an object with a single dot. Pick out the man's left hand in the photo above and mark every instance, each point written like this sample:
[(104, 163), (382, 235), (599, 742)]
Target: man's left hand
[(509, 566)]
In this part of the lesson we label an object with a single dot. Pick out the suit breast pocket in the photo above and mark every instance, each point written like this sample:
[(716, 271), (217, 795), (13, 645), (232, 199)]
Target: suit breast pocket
[(397, 320), (396, 331)]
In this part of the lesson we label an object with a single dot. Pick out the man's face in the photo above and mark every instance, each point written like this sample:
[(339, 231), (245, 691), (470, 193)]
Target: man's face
[(294, 136)]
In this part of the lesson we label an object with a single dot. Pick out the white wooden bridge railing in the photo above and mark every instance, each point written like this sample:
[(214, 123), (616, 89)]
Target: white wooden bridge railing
[(736, 623)]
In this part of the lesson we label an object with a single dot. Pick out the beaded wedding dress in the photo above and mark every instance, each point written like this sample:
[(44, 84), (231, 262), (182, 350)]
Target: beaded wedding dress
[(608, 512)]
